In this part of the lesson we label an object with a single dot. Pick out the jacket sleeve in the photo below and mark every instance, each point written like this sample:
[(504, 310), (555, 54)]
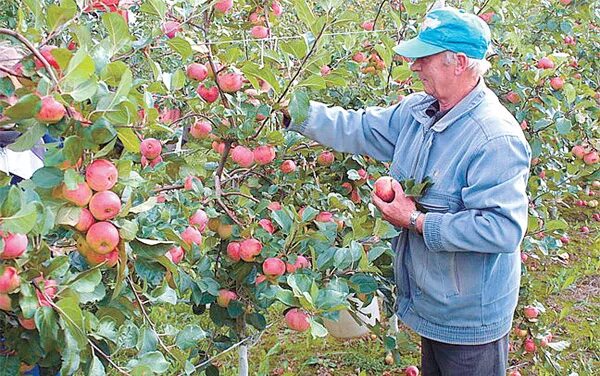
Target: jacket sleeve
[(372, 131), (495, 216)]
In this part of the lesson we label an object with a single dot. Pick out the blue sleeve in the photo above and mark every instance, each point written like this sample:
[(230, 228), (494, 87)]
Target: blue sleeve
[(372, 131), (495, 199)]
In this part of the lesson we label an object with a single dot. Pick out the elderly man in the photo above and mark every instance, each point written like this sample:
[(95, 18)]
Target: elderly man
[(457, 264)]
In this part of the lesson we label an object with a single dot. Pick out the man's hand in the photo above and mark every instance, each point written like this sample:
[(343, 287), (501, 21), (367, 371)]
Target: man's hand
[(398, 211)]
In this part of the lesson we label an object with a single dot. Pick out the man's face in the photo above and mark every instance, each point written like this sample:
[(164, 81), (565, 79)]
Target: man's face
[(436, 74)]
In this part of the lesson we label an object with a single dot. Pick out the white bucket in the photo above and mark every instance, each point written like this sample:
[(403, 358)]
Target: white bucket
[(347, 327)]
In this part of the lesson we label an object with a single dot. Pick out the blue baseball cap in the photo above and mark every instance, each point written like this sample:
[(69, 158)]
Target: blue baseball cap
[(448, 29)]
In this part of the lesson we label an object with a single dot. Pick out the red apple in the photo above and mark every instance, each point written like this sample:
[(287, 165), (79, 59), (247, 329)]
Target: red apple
[(28, 324), (411, 371), (591, 158), (249, 249), (383, 188), (301, 262), (46, 52), (79, 196), (264, 154), (199, 220), (14, 246), (51, 111), (267, 225), (230, 82), (487, 17), (276, 8), (150, 148), (242, 156), (578, 151), (297, 319), (110, 259), (326, 158), (175, 254), (223, 6), (105, 205), (208, 94), (50, 288), (9, 279), (545, 63), (325, 70), (513, 97), (191, 236), (5, 302), (225, 296), (529, 345), (101, 175), (171, 28), (565, 2), (86, 219), (102, 237), (288, 166), (531, 312), (233, 251), (200, 129), (584, 230), (557, 83), (197, 71), (188, 185), (515, 373), (324, 216), (259, 32), (274, 206), (219, 147), (359, 57)]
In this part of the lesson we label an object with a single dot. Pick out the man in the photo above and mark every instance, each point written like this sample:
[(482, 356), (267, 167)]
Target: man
[(457, 264)]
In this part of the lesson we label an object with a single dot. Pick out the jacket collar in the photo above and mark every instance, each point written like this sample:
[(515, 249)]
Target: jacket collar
[(467, 104)]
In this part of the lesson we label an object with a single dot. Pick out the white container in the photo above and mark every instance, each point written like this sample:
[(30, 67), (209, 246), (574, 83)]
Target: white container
[(348, 327)]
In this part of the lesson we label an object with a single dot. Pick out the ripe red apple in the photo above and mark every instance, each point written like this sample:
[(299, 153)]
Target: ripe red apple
[(324, 216), (288, 166), (524, 125), (223, 6), (565, 2), (359, 57), (28, 324), (367, 25), (219, 147), (325, 70), (255, 17), (79, 196), (86, 219), (188, 184), (199, 220), (102, 237), (260, 279), (513, 97), (264, 154), (487, 17), (233, 251), (274, 206), (46, 52), (208, 94), (545, 63), (175, 254), (242, 156), (110, 259), (411, 371), (152, 163), (276, 8), (9, 279), (591, 158), (301, 262), (101, 175), (5, 302), (383, 188), (191, 236), (51, 111), (230, 82), (531, 312), (297, 319), (515, 373), (225, 296), (150, 148), (201, 129), (584, 230), (14, 246), (171, 28), (105, 205), (259, 32), (326, 158), (529, 345), (249, 249), (565, 239), (197, 71), (578, 151), (557, 83), (50, 288), (267, 225), (520, 332), (524, 257)]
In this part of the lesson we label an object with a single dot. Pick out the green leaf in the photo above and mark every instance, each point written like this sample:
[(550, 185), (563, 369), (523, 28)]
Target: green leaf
[(299, 105), (316, 329), (181, 46), (189, 337), (113, 72), (296, 47), (304, 12), (12, 203), (73, 148), (9, 365), (283, 220), (563, 126), (144, 206), (569, 92), (96, 368), (257, 320), (72, 314), (83, 90), (28, 139), (81, 68), (26, 107), (87, 281), (559, 346), (57, 15), (154, 7), (72, 179), (253, 72), (47, 177), (364, 283), (23, 221), (68, 215), (154, 361), (118, 31), (235, 308), (314, 82), (46, 322)]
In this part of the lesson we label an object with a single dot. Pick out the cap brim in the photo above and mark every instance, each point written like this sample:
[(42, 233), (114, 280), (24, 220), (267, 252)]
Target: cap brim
[(415, 48)]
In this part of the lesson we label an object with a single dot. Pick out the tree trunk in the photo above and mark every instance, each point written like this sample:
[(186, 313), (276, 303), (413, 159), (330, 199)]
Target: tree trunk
[(243, 360)]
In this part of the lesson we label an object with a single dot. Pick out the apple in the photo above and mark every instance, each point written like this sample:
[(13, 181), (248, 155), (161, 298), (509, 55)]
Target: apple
[(86, 219), (276, 8), (524, 125), (208, 94), (102, 237), (223, 6), (110, 259), (260, 279), (9, 279), (584, 229), (557, 83), (150, 148), (175, 254), (531, 312), (201, 129), (359, 57), (196, 72), (199, 220), (297, 319), (578, 151), (529, 345), (259, 32), (255, 17), (51, 111), (565, 239), (230, 82), (326, 158), (524, 257), (101, 175), (264, 154), (233, 251), (79, 196), (46, 52), (225, 296), (367, 25), (591, 158), (301, 262), (487, 17), (50, 288), (14, 245), (565, 2), (191, 236), (274, 206), (242, 156), (545, 63), (249, 249), (28, 324), (324, 216), (411, 371), (288, 166), (347, 187), (513, 97), (325, 70), (105, 205), (383, 188), (520, 332), (267, 225), (170, 28), (515, 373), (5, 302)]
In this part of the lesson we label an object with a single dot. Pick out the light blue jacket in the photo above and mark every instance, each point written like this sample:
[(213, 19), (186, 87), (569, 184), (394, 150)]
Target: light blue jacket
[(457, 283)]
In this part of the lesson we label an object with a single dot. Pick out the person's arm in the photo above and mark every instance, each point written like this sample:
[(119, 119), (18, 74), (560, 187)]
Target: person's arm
[(495, 218), (372, 131)]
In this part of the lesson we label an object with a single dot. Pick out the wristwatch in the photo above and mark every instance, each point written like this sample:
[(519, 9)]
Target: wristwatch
[(412, 220)]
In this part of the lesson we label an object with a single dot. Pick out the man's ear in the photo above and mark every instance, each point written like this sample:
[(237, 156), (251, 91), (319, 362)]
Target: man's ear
[(462, 63)]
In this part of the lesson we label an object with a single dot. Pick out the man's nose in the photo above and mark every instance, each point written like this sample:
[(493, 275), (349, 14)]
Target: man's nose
[(414, 65)]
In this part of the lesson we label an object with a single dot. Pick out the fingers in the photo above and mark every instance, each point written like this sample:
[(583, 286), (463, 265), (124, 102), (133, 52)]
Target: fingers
[(397, 187)]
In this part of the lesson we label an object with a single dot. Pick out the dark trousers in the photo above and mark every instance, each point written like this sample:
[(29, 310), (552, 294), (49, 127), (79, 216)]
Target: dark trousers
[(442, 359)]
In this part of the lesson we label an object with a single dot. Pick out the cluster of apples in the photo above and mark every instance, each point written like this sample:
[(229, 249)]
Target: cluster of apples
[(151, 148), (260, 30), (99, 204), (588, 155), (190, 236), (229, 82)]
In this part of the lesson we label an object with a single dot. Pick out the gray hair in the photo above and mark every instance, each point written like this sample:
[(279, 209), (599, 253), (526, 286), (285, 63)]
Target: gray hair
[(478, 66)]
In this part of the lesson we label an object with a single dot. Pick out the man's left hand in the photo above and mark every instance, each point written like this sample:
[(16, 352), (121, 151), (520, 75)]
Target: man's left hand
[(398, 211)]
